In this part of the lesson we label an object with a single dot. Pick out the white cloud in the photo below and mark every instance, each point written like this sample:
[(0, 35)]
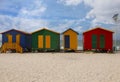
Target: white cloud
[(29, 25), (26, 8), (13, 6), (102, 10), (65, 24), (70, 2), (79, 29), (36, 9), (25, 20)]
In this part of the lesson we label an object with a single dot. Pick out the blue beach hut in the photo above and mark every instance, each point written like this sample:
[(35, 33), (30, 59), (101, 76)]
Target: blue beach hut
[(16, 40)]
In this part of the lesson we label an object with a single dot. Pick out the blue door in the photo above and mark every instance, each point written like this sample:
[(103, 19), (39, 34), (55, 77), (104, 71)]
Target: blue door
[(67, 41)]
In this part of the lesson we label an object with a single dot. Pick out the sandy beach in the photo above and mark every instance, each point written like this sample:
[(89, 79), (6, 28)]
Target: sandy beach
[(59, 67)]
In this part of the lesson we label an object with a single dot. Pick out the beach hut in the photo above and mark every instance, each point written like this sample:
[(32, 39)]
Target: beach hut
[(45, 40), (15, 40), (70, 39), (99, 39)]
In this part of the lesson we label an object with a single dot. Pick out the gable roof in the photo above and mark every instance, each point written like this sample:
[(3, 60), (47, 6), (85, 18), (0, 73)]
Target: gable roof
[(72, 30), (98, 28), (15, 30), (45, 29)]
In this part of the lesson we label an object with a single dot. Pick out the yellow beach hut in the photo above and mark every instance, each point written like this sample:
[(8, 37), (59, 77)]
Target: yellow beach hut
[(70, 39)]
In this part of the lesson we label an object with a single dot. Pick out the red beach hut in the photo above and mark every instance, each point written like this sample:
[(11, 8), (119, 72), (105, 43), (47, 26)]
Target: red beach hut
[(99, 39)]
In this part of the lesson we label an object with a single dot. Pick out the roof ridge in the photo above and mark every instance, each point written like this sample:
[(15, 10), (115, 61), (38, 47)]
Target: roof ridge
[(97, 28), (70, 29), (46, 29), (15, 30)]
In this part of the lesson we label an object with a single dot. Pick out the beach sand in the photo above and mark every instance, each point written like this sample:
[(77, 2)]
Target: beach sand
[(59, 67)]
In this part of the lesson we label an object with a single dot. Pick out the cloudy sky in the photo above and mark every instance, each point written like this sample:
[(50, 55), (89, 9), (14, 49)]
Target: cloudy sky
[(58, 15)]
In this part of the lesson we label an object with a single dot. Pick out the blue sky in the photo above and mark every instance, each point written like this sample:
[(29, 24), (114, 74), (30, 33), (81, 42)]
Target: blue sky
[(58, 15)]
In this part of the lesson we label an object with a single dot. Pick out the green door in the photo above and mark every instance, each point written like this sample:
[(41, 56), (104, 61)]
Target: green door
[(102, 41), (94, 41)]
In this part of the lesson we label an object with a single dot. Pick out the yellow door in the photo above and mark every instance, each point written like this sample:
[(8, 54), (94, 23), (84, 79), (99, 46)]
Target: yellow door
[(40, 41), (9, 38), (18, 39), (47, 41)]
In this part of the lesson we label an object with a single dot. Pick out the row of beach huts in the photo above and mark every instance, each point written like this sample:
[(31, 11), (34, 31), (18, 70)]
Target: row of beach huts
[(43, 40)]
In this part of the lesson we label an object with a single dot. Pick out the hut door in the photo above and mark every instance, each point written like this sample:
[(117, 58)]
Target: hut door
[(18, 39), (40, 41), (9, 38), (94, 41), (102, 41), (67, 41), (47, 41)]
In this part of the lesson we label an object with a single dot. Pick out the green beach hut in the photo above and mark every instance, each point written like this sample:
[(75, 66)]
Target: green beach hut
[(45, 40)]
